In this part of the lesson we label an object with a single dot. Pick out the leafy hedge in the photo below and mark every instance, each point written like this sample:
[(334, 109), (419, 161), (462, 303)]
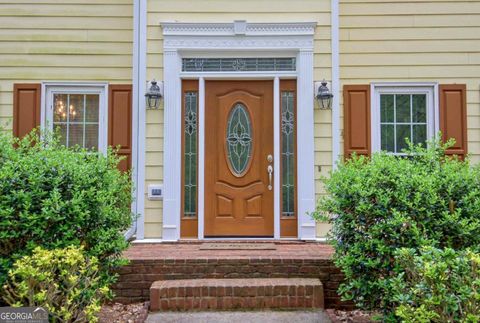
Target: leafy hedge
[(63, 281), (54, 197), (438, 286), (387, 202)]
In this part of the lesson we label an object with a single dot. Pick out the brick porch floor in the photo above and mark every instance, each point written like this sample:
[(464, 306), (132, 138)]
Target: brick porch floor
[(185, 260), (190, 250)]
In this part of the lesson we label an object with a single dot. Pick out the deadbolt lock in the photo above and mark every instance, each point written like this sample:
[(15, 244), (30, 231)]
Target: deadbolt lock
[(270, 158)]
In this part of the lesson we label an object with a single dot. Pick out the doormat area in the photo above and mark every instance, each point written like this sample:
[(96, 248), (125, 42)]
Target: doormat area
[(237, 246)]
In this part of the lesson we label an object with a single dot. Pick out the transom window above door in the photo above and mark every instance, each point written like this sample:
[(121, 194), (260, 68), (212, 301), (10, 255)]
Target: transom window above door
[(241, 64), (77, 115), (400, 114)]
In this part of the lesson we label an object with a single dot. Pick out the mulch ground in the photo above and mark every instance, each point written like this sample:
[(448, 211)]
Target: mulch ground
[(120, 313), (355, 316)]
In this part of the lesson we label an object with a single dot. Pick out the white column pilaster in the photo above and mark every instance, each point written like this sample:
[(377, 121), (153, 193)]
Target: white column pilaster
[(305, 146), (172, 146)]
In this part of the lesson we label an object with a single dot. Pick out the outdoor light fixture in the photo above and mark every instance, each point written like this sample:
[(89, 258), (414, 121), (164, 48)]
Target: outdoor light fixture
[(153, 95), (324, 96)]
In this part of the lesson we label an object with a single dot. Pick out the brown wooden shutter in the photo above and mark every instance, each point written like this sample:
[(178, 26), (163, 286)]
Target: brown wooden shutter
[(453, 117), (26, 108), (120, 122), (356, 131)]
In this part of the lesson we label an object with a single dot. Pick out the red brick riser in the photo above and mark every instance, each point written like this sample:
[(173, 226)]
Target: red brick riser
[(231, 294), (137, 277)]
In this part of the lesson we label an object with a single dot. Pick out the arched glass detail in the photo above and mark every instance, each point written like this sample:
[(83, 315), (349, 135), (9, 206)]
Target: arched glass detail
[(239, 139)]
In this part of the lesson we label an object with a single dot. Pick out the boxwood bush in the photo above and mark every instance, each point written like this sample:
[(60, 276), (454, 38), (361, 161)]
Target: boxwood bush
[(53, 197), (380, 204)]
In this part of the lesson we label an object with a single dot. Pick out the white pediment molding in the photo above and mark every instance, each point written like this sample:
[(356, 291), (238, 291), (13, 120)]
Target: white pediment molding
[(238, 27), (238, 35)]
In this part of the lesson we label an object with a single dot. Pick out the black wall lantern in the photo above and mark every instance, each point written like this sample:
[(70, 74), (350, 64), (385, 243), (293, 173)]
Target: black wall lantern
[(153, 95), (324, 96)]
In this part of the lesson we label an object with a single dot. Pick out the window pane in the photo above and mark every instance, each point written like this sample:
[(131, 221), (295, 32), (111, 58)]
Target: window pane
[(190, 155), (76, 107), (92, 108), (419, 134), (403, 131), (77, 117), (386, 108), (91, 136), (419, 108), (403, 107), (62, 131), (60, 107), (388, 138), (75, 135), (288, 153)]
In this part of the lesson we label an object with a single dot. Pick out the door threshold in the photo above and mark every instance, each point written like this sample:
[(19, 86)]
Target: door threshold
[(260, 239)]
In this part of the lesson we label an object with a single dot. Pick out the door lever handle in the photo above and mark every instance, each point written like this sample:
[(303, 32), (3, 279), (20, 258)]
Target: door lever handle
[(270, 172)]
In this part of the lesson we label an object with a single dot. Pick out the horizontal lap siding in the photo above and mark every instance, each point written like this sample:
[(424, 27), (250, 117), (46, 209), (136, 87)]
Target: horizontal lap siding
[(63, 40), (227, 11), (414, 41)]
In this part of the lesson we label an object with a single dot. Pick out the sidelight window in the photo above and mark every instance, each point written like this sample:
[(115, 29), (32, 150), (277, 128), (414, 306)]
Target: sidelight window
[(288, 152), (190, 154)]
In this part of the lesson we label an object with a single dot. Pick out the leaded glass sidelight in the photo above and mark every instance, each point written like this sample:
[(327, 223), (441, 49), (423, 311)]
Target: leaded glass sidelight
[(190, 154), (288, 153), (239, 139)]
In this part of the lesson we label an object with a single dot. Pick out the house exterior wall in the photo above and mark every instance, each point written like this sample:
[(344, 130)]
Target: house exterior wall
[(67, 40), (380, 41), (217, 11), (414, 41)]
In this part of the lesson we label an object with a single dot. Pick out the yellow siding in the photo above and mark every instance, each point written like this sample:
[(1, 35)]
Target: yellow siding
[(227, 11), (63, 40), (414, 41)]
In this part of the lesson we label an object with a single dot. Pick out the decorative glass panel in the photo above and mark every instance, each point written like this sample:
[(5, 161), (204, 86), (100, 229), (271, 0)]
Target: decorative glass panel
[(76, 118), (238, 64), (190, 155), (402, 116), (239, 139), (288, 154)]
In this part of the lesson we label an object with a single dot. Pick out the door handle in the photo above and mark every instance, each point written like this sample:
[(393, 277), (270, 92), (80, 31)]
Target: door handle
[(270, 172)]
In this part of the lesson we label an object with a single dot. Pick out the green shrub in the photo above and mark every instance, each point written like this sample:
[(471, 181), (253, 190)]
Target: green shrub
[(379, 205), (438, 286), (53, 197), (63, 281)]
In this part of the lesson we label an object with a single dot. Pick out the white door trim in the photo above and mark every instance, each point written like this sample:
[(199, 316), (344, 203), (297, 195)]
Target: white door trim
[(236, 39)]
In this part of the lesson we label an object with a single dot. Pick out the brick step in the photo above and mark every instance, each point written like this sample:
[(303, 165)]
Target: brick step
[(229, 294), (137, 277)]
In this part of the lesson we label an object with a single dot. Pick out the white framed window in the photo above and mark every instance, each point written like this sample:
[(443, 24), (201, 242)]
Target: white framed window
[(78, 112), (402, 111)]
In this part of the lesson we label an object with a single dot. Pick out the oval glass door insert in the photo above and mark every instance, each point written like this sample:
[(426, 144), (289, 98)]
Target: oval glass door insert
[(239, 139)]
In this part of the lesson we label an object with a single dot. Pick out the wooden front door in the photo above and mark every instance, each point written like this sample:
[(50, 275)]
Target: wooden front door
[(238, 157)]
